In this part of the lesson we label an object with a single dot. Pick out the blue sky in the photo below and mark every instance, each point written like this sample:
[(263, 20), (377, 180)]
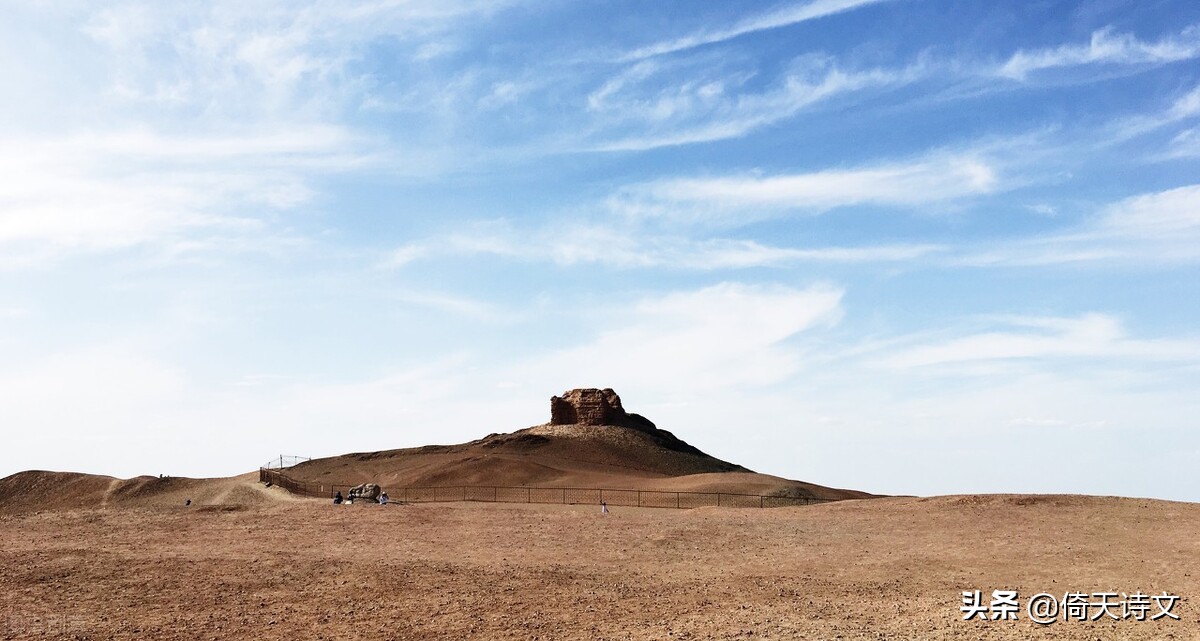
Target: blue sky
[(906, 246)]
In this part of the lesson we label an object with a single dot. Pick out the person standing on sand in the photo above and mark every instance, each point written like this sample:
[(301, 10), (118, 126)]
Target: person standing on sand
[(603, 507), (383, 498), (337, 498)]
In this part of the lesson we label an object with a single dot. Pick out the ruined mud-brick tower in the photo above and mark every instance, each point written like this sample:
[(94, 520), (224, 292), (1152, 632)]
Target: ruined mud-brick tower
[(589, 406)]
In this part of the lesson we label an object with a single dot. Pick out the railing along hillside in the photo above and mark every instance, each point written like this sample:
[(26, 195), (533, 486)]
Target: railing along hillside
[(555, 495), (284, 460)]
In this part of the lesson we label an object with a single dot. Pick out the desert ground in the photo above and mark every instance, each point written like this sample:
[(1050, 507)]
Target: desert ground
[(93, 557), (255, 562)]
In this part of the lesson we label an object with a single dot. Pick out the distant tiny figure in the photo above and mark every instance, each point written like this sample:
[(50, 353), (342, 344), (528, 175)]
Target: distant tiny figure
[(187, 503), (603, 507), (337, 498), (383, 498)]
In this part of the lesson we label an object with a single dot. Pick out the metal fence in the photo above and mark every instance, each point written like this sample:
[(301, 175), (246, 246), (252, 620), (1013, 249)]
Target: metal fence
[(283, 460), (554, 495)]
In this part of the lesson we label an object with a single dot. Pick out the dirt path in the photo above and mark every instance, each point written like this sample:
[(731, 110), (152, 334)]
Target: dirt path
[(112, 487)]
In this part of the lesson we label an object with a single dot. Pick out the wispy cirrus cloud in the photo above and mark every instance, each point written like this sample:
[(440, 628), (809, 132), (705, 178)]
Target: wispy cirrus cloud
[(782, 17), (1183, 108), (1152, 228), (1186, 144), (613, 246), (1096, 336), (734, 200), (114, 189), (654, 103), (735, 254), (1164, 215), (1105, 48), (705, 108), (194, 126), (267, 58)]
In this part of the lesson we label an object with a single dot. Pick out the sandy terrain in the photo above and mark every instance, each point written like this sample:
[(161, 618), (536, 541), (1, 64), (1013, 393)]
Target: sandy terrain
[(889, 568), (93, 557)]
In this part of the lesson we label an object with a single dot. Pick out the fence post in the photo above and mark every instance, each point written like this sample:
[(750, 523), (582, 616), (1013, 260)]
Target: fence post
[(718, 499), (677, 500), (639, 498), (761, 500)]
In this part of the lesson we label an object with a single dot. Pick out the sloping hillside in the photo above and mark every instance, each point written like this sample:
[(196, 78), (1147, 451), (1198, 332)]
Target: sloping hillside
[(560, 456), (36, 490)]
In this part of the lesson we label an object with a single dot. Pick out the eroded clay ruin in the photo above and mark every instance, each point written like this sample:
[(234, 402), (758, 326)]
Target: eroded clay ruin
[(591, 406)]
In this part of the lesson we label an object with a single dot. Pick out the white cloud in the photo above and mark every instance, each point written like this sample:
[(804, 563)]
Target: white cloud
[(738, 199), (436, 49), (274, 58), (191, 127), (704, 109), (1186, 144), (1042, 338), (118, 189), (716, 338), (1165, 215), (406, 254), (625, 248), (1036, 252), (602, 99), (733, 254), (706, 106), (782, 17), (1105, 47), (458, 305), (1154, 228), (1185, 107)]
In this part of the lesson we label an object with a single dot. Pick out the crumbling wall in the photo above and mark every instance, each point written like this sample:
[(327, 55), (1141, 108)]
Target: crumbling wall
[(589, 406)]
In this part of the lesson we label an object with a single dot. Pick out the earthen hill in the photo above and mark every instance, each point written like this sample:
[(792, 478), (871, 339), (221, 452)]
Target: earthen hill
[(590, 441)]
